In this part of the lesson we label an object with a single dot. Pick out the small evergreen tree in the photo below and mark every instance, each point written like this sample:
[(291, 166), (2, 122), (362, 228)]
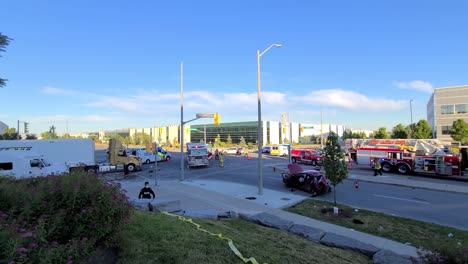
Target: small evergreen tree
[(335, 167), (229, 140), (242, 142)]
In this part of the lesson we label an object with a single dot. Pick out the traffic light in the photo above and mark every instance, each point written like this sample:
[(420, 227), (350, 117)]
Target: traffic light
[(216, 119), (160, 130), (284, 130), (302, 129), (26, 127)]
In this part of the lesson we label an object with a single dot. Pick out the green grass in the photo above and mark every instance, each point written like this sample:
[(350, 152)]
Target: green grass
[(404, 230), (158, 238)]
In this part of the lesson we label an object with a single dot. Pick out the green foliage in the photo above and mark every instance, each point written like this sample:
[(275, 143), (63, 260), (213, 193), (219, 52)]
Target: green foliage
[(242, 141), (141, 138), (399, 132), (47, 134), (459, 131), (381, 133), (9, 134), (335, 167), (59, 218), (229, 140), (285, 141), (422, 130), (347, 134), (4, 41)]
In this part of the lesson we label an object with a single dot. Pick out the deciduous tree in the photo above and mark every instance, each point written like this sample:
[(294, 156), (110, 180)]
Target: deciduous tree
[(422, 130), (335, 167), (399, 131), (381, 133), (459, 131)]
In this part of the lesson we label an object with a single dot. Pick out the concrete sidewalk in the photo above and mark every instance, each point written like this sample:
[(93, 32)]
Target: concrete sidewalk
[(407, 181), (205, 198)]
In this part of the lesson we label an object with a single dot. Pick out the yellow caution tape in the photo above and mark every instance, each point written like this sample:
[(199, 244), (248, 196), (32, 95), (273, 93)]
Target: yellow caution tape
[(219, 235)]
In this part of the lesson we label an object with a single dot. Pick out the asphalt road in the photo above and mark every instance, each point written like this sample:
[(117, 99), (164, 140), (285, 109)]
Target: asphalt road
[(438, 207)]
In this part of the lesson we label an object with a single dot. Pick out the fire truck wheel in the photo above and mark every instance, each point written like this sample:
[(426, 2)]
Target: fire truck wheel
[(403, 169), (314, 163), (387, 167), (168, 158), (293, 160)]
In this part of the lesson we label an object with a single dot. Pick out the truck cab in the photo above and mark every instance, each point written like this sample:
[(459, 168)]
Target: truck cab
[(118, 156), (308, 156)]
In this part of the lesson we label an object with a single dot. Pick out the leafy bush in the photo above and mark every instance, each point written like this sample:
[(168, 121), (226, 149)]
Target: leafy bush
[(59, 219)]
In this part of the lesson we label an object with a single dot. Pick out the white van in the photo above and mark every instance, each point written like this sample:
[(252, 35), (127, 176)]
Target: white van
[(283, 150), (149, 157), (23, 165)]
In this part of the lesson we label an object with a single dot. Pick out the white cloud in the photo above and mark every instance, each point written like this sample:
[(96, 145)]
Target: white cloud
[(350, 100), (416, 85), (58, 91)]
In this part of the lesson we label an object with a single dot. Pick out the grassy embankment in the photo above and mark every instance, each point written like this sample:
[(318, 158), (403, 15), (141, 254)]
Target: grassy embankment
[(404, 230), (158, 238)]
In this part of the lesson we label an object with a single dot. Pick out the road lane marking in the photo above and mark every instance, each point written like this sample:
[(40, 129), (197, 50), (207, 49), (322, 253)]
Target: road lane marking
[(275, 178), (402, 199)]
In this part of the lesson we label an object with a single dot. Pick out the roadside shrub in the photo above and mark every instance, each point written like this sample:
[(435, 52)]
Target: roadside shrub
[(59, 219)]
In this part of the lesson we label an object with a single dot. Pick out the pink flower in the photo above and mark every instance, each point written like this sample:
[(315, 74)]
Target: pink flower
[(21, 249), (28, 234), (33, 245)]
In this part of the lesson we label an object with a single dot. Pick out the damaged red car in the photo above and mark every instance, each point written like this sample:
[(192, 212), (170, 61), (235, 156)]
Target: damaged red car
[(312, 181)]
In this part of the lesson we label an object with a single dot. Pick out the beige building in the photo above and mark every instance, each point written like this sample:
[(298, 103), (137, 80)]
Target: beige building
[(446, 105)]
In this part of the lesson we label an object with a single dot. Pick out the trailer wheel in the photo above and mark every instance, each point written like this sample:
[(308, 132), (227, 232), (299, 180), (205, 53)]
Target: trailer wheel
[(168, 158), (387, 167), (403, 169), (147, 161), (131, 167), (91, 171), (293, 159)]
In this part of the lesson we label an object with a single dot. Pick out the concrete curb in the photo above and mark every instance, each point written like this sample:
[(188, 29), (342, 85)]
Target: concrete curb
[(379, 255)]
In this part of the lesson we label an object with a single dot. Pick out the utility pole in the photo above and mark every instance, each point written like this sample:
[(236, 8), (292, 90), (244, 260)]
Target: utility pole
[(17, 131), (182, 176), (411, 112), (321, 128)]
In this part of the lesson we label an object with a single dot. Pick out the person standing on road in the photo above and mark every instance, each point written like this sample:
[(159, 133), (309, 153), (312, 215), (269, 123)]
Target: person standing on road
[(377, 167), (221, 159)]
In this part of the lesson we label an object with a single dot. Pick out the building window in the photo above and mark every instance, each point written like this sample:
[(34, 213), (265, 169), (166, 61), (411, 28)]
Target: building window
[(461, 108), (446, 130), (447, 109)]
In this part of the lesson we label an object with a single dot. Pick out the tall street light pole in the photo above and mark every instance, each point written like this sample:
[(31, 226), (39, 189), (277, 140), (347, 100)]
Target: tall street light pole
[(182, 176), (411, 112), (260, 130)]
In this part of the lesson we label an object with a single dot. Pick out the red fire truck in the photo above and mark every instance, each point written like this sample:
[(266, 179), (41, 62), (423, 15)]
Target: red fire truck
[(404, 162)]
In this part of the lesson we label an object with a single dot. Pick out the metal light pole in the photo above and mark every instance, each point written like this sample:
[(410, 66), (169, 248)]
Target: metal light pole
[(260, 130), (182, 176), (204, 133), (411, 112), (321, 128)]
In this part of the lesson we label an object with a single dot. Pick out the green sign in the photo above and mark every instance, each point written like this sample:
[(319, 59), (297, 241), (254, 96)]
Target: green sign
[(307, 127)]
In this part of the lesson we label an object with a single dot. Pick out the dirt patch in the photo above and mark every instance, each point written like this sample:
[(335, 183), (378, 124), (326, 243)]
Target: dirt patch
[(343, 213)]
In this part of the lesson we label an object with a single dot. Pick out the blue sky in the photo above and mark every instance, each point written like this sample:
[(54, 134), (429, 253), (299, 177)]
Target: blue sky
[(97, 65)]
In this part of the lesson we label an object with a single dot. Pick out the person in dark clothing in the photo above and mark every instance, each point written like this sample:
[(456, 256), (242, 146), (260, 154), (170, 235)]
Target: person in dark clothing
[(146, 192)]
